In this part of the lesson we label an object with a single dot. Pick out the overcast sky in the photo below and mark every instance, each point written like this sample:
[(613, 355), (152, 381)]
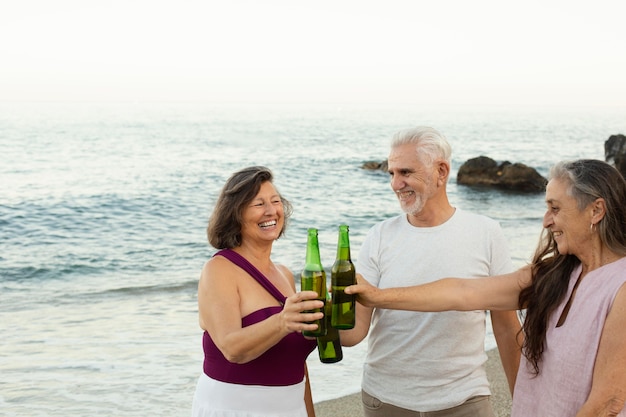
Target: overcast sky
[(434, 51)]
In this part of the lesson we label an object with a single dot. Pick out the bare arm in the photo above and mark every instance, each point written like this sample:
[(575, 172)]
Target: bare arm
[(506, 330), (489, 293), (498, 293), (608, 388), (220, 314), (308, 397)]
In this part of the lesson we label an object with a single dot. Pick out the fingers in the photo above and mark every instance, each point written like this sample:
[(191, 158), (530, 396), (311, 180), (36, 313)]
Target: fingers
[(304, 300), (299, 322), (361, 286), (298, 314), (358, 289), (309, 305), (304, 295)]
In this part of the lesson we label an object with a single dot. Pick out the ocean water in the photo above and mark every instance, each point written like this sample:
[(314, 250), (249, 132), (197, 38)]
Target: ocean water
[(103, 211)]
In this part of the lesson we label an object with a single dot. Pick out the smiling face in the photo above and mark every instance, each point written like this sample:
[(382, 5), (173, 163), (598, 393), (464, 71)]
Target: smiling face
[(413, 181), (569, 225), (263, 218)]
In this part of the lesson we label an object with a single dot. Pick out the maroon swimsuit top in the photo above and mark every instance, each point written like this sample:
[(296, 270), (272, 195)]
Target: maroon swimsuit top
[(282, 364)]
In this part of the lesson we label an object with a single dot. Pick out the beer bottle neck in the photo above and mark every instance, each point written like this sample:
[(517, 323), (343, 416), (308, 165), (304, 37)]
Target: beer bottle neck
[(343, 245), (313, 262)]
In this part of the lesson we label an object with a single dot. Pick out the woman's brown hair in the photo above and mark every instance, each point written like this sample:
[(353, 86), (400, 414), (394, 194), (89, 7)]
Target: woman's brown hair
[(224, 229)]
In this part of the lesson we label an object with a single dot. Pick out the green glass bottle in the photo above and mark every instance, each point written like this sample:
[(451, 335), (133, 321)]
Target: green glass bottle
[(313, 278), (343, 274), (329, 346)]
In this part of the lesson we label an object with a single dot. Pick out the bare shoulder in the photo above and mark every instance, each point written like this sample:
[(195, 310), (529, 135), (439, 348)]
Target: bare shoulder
[(217, 262), (217, 266)]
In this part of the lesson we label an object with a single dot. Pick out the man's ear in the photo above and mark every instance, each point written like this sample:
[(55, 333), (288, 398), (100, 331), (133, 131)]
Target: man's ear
[(443, 171)]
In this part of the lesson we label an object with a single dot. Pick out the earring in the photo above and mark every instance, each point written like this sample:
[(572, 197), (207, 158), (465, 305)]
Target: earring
[(591, 228)]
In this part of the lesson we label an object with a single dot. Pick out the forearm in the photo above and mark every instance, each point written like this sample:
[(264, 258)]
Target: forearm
[(308, 397), (248, 343), (506, 330), (461, 294), (442, 295)]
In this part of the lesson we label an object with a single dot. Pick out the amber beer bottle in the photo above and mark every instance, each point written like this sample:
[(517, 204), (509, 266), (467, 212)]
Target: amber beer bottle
[(329, 346), (342, 275), (313, 278)]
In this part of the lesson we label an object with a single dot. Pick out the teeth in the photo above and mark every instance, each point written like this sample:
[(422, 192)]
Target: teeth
[(268, 223), (404, 194)]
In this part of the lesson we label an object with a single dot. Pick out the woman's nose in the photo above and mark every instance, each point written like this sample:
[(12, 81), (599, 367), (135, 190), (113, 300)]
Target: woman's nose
[(547, 220), (270, 209)]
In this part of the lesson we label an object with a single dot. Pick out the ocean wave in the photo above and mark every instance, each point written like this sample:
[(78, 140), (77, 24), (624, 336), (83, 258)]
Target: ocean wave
[(33, 273), (187, 287), (26, 273)]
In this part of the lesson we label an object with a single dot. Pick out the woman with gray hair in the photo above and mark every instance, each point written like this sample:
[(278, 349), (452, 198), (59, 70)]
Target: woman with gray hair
[(574, 351)]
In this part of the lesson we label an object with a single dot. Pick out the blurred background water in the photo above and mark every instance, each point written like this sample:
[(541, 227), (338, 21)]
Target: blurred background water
[(103, 210)]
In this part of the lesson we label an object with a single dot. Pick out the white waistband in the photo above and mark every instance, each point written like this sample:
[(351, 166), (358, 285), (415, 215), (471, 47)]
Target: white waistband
[(216, 398)]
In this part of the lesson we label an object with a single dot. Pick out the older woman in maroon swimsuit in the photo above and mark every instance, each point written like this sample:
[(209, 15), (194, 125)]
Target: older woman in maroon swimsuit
[(255, 354)]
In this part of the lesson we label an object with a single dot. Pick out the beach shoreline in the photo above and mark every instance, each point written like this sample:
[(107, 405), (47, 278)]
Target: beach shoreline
[(350, 405)]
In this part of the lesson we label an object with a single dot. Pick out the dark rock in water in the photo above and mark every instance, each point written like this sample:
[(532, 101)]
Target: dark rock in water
[(484, 171), (375, 165), (615, 152)]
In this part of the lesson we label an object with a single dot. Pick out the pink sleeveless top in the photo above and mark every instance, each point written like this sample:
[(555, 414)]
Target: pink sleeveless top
[(566, 369), (282, 364)]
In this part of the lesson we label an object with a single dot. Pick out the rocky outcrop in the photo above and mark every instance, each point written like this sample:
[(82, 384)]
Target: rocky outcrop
[(375, 165), (484, 171), (615, 152)]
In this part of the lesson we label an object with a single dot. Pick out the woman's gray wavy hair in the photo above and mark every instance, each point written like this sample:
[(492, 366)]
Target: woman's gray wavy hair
[(590, 179)]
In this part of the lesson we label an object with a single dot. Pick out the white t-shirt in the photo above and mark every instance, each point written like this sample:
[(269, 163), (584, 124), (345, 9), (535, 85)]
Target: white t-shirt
[(429, 361)]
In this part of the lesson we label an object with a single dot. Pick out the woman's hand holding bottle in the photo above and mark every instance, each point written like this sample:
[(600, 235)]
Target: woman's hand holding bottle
[(293, 317)]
